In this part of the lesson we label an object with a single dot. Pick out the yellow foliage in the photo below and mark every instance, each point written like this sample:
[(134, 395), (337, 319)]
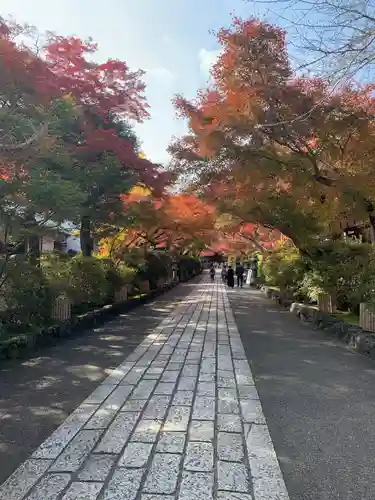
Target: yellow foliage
[(69, 99), (140, 190)]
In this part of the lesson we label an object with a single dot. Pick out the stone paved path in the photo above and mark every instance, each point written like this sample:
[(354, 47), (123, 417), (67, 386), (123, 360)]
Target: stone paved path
[(180, 418)]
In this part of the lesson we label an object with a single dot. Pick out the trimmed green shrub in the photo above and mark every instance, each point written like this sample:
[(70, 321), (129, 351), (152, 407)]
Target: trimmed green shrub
[(188, 267), (87, 280), (284, 268), (118, 275), (157, 265), (56, 272), (344, 270), (26, 296), (122, 275), (27, 292)]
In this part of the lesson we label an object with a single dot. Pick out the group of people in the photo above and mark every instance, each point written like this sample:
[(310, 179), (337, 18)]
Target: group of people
[(228, 274)]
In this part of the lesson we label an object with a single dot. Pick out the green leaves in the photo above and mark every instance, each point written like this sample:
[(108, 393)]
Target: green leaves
[(48, 192)]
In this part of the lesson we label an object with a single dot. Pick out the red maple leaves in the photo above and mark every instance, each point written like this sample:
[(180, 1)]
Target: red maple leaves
[(108, 87), (64, 66)]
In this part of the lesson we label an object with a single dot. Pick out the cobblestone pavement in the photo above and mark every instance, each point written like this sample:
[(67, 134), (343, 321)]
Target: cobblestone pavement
[(180, 418)]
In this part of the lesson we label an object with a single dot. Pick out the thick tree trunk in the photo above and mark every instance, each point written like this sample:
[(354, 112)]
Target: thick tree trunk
[(85, 236)]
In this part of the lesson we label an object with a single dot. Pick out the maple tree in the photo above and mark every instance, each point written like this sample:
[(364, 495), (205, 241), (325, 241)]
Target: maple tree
[(183, 223), (236, 236), (66, 147), (283, 151), (22, 112), (107, 94), (180, 223), (26, 118)]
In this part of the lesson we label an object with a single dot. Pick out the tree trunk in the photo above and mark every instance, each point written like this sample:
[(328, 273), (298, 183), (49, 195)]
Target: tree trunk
[(32, 239), (85, 236), (372, 222), (33, 249)]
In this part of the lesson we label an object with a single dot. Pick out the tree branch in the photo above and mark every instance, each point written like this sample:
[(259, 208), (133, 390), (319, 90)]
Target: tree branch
[(36, 136)]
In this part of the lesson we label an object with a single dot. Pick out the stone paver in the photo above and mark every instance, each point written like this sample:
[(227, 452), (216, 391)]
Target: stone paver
[(179, 419)]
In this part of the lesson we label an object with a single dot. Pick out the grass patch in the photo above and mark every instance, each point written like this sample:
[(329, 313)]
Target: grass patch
[(347, 317)]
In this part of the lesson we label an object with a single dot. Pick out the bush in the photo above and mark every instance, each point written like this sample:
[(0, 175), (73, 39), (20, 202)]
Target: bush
[(344, 270), (87, 281), (25, 295), (188, 267), (56, 271), (157, 265), (117, 276), (28, 291), (284, 268), (121, 275)]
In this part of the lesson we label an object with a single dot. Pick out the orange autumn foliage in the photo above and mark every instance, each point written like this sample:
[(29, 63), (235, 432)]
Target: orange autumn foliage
[(179, 222), (184, 223), (283, 150)]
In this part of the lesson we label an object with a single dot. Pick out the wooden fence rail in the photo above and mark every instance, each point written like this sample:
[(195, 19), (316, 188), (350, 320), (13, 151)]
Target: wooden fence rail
[(366, 317)]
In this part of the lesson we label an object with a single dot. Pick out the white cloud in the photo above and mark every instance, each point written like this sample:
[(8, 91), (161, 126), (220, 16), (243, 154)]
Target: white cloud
[(207, 59), (161, 74)]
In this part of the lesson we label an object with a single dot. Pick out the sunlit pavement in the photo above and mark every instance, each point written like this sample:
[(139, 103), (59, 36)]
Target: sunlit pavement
[(180, 418)]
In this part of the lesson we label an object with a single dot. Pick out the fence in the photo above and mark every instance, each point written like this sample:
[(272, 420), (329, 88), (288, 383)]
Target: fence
[(61, 309), (160, 283), (144, 287), (366, 317), (121, 295), (326, 303)]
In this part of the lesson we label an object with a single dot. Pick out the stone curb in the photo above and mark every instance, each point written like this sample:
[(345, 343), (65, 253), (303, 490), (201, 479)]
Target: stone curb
[(22, 345), (353, 336)]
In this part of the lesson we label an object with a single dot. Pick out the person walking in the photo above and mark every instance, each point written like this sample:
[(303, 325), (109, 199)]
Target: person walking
[(249, 277), (212, 272), (230, 277), (224, 273), (239, 273)]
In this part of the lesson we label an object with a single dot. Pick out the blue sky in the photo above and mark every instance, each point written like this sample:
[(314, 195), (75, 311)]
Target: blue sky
[(170, 39)]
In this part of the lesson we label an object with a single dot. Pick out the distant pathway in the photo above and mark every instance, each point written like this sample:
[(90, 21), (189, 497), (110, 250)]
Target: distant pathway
[(180, 418)]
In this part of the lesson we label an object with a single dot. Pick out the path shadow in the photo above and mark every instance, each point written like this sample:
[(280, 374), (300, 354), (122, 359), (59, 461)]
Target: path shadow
[(37, 394), (318, 398)]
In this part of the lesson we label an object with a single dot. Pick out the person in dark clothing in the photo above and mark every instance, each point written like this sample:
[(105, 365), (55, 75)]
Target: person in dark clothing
[(224, 274), (212, 272), (239, 273), (230, 277)]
